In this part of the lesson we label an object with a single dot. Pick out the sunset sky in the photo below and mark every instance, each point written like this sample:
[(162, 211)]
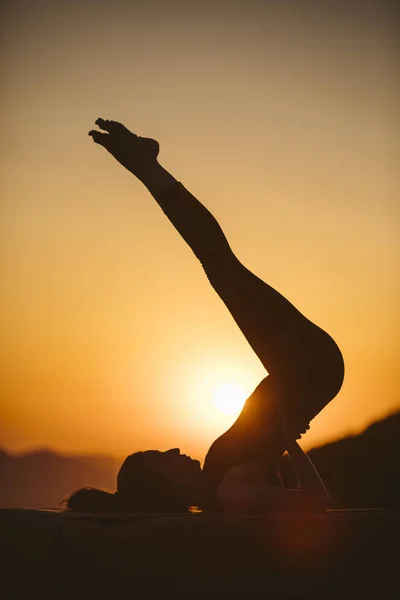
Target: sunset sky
[(280, 117)]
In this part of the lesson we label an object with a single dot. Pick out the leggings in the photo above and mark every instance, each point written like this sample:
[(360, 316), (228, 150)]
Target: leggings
[(304, 364)]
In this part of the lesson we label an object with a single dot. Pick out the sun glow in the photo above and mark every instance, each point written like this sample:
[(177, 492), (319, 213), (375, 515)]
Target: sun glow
[(214, 390), (229, 398)]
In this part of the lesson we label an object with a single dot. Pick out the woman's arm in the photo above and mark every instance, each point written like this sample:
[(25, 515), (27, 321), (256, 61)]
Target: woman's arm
[(307, 475), (243, 490)]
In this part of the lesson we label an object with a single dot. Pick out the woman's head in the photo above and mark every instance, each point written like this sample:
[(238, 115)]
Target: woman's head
[(150, 481), (159, 481)]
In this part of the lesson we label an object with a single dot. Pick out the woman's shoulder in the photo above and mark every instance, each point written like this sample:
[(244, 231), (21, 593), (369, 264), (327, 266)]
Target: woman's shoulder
[(250, 471), (241, 488)]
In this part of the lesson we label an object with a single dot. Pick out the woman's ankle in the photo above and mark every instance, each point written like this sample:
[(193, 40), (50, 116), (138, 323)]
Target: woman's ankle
[(156, 179)]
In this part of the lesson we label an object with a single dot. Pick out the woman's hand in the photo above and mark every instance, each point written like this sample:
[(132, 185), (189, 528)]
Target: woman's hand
[(137, 154)]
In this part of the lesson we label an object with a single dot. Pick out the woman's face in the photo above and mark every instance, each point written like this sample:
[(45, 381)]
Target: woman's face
[(177, 467)]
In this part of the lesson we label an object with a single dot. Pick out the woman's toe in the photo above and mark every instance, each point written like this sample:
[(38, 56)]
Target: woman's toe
[(100, 138), (118, 128), (102, 123)]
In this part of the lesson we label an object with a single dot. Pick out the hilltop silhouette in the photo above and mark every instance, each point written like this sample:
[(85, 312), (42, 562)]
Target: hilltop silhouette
[(359, 471), (363, 471), (42, 479)]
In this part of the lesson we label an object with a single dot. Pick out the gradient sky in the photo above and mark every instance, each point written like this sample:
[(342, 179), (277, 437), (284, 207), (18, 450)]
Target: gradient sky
[(280, 117)]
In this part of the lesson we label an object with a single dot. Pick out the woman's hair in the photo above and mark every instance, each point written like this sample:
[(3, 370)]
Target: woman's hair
[(139, 489), (90, 500)]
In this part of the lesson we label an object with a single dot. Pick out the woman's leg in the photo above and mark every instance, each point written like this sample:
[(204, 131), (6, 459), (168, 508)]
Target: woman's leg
[(301, 358), (305, 365)]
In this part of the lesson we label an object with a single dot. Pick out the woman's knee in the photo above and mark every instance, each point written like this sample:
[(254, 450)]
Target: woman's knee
[(326, 371), (334, 367)]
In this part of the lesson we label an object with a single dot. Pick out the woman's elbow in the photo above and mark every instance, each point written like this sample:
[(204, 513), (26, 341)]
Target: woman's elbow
[(314, 502)]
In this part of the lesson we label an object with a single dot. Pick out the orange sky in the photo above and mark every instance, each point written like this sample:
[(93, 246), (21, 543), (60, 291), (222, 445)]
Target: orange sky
[(279, 117)]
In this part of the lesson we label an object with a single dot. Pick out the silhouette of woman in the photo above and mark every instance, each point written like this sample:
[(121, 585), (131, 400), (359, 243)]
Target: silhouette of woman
[(305, 365)]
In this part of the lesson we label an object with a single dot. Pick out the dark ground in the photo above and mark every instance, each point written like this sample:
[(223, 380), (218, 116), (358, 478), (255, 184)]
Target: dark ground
[(337, 555)]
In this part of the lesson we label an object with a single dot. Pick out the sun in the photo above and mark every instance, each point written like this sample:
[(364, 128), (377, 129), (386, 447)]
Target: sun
[(229, 398)]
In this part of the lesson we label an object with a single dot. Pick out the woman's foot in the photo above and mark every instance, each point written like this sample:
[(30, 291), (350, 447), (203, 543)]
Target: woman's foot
[(135, 153)]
